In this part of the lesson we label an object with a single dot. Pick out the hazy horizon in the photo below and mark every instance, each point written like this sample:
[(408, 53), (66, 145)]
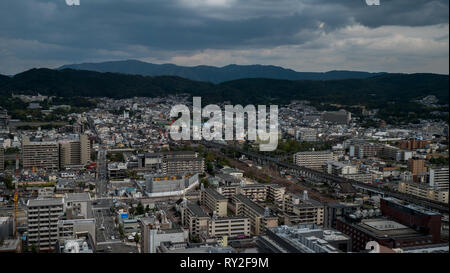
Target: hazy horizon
[(401, 36)]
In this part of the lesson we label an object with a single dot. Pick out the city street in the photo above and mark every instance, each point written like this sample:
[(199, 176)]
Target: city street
[(101, 181), (105, 226)]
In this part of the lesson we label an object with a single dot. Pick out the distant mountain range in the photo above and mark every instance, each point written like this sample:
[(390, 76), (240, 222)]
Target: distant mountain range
[(374, 92), (216, 74)]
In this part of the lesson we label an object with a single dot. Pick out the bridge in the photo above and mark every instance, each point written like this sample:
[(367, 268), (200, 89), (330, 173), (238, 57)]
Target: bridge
[(332, 180)]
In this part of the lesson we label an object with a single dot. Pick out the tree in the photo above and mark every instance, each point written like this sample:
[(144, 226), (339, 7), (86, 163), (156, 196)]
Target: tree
[(81, 184), (147, 208), (131, 210), (140, 209), (205, 182), (210, 168), (33, 249), (8, 182), (136, 238)]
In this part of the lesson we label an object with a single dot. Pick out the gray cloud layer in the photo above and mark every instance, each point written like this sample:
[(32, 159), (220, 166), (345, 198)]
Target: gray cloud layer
[(306, 35)]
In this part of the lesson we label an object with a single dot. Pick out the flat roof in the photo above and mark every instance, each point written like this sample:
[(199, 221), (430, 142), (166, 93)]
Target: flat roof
[(215, 194), (77, 196), (382, 228), (410, 206), (384, 225), (250, 203), (196, 209), (45, 202)]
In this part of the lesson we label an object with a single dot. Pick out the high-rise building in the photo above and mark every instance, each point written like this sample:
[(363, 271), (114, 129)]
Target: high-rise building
[(313, 160), (43, 217), (417, 166), (74, 152), (52, 219), (40, 154), (438, 178)]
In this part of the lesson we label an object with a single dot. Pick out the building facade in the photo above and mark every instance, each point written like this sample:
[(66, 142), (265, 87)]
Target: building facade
[(314, 160), (40, 155)]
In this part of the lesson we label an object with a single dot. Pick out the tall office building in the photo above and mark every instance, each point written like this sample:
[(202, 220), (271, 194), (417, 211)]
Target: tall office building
[(76, 151), (40, 154), (313, 160)]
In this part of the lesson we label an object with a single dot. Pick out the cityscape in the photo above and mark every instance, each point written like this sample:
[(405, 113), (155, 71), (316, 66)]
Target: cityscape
[(89, 162)]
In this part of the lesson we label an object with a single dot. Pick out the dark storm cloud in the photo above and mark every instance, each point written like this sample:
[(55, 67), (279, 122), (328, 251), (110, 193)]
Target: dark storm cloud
[(111, 29)]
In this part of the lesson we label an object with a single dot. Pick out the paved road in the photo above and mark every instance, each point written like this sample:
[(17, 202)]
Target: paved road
[(105, 225), (102, 179)]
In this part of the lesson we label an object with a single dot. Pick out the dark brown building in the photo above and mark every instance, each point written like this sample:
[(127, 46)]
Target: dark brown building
[(413, 144), (415, 217), (384, 231)]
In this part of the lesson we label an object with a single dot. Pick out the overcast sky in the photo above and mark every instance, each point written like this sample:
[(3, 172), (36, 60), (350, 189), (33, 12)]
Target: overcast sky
[(304, 35)]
